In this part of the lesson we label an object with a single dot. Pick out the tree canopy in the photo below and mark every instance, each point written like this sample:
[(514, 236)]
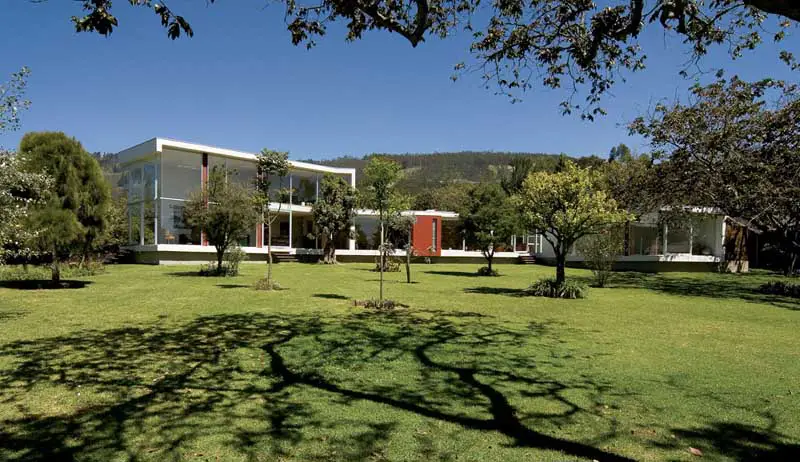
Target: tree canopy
[(20, 193), (12, 101), (489, 220), (733, 146), (334, 212), (224, 210), (565, 206), (580, 44)]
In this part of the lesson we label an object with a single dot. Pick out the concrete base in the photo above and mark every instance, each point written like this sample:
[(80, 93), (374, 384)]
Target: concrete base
[(648, 266)]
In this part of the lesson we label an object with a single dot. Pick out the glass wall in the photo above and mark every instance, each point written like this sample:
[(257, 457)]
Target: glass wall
[(181, 175), (140, 182), (644, 239), (304, 187)]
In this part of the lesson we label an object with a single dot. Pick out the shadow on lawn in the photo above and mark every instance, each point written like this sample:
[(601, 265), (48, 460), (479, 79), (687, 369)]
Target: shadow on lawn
[(37, 284), (263, 384), (496, 291), (466, 274), (331, 296)]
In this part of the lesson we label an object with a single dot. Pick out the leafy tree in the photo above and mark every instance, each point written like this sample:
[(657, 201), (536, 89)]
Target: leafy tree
[(20, 193), (403, 225), (333, 213), (620, 153), (520, 167), (488, 220), (12, 102), (271, 165), (78, 190), (580, 44), (565, 206), (223, 209), (600, 252), (381, 178), (733, 146)]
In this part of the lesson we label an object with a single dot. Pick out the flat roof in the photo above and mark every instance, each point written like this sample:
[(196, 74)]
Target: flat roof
[(155, 145)]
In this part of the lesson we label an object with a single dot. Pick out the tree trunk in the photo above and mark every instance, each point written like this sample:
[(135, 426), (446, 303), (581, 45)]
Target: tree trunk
[(380, 295), (220, 255), (489, 259), (561, 262), (408, 264), (329, 252), (55, 270)]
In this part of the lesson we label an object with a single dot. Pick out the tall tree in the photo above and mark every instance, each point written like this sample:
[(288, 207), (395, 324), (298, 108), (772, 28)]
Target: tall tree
[(381, 178), (488, 220), (565, 206), (78, 190), (272, 166), (580, 44), (223, 209), (20, 193), (333, 212), (12, 101), (520, 168), (733, 146), (620, 153)]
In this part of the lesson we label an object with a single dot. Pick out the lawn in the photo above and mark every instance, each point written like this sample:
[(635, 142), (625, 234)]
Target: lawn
[(155, 364)]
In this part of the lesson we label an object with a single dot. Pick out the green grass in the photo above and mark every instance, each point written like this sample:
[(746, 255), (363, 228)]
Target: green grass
[(153, 364)]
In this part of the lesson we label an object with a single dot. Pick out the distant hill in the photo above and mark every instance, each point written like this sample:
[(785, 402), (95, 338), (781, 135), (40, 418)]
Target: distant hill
[(424, 171)]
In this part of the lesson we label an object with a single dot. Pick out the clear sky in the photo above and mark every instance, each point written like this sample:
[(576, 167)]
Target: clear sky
[(239, 83)]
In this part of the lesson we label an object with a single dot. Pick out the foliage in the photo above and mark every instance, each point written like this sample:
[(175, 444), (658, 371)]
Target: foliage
[(375, 304), (223, 209), (519, 169), (583, 45), (620, 153), (787, 289), (630, 181), (12, 101), (20, 192), (234, 257), (600, 252), (552, 288), (486, 271), (74, 216), (267, 284), (566, 206), (733, 146), (381, 178), (333, 213), (115, 234), (271, 164), (386, 262), (448, 196), (489, 220)]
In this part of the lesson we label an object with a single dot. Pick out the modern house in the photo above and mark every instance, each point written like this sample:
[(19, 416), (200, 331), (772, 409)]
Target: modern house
[(159, 175)]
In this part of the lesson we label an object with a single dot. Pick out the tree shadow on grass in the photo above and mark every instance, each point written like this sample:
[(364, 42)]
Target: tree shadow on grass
[(331, 296), (741, 286), (234, 286), (466, 274), (511, 292), (275, 385), (737, 441), (41, 284)]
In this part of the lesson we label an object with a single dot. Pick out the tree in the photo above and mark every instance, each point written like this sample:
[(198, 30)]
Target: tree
[(580, 44), (381, 177), (12, 102), (78, 190), (488, 220), (272, 165), (20, 193), (600, 252), (334, 212), (223, 209), (565, 206), (732, 146), (520, 167), (620, 153)]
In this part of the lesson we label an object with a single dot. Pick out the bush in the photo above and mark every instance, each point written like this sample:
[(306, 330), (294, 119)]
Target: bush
[(231, 260), (600, 252), (550, 288), (787, 289), (35, 272), (264, 284), (485, 271), (376, 304)]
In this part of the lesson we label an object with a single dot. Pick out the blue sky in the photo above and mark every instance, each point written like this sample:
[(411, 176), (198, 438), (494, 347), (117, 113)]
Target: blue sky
[(239, 83)]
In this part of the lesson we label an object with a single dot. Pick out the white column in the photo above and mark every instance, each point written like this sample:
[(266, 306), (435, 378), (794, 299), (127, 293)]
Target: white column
[(666, 230), (691, 237), (156, 204), (141, 223), (291, 194)]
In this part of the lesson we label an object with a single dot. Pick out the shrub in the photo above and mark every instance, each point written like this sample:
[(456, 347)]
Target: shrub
[(787, 289), (550, 288), (376, 304), (233, 257), (600, 251), (34, 272), (266, 284), (485, 271)]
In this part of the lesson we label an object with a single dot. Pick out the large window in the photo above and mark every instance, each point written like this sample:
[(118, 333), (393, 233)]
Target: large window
[(644, 239), (140, 182)]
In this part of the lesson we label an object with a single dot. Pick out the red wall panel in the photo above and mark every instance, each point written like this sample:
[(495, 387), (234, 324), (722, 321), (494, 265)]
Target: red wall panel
[(422, 235)]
